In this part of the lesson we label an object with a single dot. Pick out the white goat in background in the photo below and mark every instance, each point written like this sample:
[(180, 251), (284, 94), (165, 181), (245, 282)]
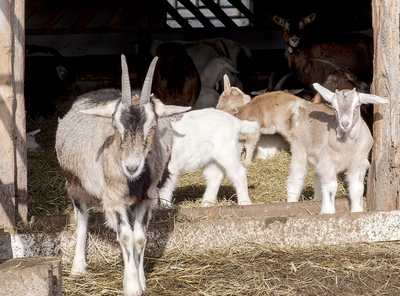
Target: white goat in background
[(334, 140), (208, 139), (113, 148)]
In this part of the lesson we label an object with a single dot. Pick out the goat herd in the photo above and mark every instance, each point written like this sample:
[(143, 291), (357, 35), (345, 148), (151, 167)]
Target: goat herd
[(125, 149)]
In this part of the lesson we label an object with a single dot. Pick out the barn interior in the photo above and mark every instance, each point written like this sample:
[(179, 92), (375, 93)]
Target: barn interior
[(91, 35)]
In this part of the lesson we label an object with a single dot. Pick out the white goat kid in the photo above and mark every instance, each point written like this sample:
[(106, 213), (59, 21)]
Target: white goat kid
[(209, 139), (113, 148), (334, 140)]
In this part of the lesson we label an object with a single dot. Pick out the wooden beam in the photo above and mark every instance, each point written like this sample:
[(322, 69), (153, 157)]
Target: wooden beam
[(21, 186), (247, 13), (197, 13), (219, 13), (121, 13), (56, 15), (7, 159), (89, 14), (176, 16), (32, 7), (383, 178)]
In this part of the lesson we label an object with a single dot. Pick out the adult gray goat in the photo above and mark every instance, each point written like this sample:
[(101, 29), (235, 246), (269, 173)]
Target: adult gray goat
[(113, 148)]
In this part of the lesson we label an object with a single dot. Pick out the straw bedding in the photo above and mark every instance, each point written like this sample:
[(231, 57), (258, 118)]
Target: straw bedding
[(244, 268)]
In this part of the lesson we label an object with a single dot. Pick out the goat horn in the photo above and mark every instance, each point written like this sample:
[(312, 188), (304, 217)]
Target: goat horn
[(125, 84), (280, 83), (334, 63), (146, 89)]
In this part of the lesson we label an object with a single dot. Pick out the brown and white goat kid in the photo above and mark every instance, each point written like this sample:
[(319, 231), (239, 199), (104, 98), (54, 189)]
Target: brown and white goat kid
[(113, 148), (353, 51), (334, 140), (276, 112)]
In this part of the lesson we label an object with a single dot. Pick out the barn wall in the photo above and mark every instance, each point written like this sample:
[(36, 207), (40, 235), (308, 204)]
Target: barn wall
[(13, 169)]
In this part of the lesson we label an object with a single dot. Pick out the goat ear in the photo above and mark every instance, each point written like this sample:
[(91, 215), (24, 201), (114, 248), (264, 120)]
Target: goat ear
[(227, 84), (104, 111), (309, 19), (278, 20), (324, 92), (168, 110), (371, 99)]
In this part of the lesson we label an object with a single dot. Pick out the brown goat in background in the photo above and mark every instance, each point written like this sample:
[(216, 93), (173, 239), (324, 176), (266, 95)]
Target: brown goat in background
[(176, 79)]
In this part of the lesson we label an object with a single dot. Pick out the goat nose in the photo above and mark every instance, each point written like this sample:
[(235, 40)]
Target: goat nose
[(131, 169), (345, 124)]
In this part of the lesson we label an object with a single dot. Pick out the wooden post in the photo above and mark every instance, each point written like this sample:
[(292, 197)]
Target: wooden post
[(12, 114), (384, 174)]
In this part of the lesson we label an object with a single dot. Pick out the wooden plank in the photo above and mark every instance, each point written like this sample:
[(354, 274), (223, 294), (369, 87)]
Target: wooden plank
[(219, 13), (176, 16), (89, 14), (56, 15), (197, 13), (64, 31), (19, 117), (32, 7), (7, 162), (383, 178), (121, 14)]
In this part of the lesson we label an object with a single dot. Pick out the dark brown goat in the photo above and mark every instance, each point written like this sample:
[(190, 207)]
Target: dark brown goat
[(353, 51), (340, 80), (176, 80)]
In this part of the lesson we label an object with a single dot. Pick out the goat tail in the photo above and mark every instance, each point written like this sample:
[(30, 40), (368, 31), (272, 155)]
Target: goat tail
[(249, 127)]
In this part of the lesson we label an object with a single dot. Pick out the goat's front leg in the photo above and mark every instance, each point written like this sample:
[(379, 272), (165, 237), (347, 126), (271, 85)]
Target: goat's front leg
[(141, 215), (167, 189), (81, 221), (355, 184), (317, 186), (118, 220), (329, 187)]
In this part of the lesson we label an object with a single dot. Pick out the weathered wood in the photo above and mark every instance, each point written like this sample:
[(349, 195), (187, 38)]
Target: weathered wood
[(197, 13), (7, 162), (21, 191), (176, 16), (383, 178), (220, 14), (57, 14)]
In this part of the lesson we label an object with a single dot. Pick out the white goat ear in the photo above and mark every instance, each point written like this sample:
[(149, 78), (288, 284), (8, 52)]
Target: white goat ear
[(104, 111), (227, 84), (371, 99), (324, 92), (168, 110)]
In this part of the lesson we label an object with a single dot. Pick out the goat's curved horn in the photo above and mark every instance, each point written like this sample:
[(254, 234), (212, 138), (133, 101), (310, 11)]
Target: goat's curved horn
[(125, 84), (146, 89), (280, 83), (332, 62)]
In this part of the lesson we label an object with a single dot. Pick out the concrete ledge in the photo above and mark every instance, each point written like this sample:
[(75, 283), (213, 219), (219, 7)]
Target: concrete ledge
[(218, 227), (31, 277)]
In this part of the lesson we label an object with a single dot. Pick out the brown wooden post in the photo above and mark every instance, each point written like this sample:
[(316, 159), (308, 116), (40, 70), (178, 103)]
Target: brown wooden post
[(384, 174), (12, 114)]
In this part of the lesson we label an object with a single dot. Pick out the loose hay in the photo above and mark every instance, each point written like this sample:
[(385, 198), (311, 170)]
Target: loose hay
[(251, 269), (241, 269)]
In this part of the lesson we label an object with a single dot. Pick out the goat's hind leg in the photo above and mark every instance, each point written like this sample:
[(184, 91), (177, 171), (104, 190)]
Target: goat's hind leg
[(238, 174), (81, 221), (297, 174), (213, 176)]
